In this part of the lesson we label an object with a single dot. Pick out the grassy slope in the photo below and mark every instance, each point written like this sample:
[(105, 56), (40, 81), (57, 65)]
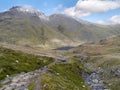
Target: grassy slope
[(64, 77), (27, 32), (14, 62), (23, 31), (58, 77), (82, 31)]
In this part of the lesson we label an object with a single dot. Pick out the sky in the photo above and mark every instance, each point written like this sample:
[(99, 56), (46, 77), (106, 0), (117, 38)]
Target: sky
[(97, 11)]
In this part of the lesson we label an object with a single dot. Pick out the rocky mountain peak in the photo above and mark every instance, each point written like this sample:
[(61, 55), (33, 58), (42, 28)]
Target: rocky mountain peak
[(28, 10)]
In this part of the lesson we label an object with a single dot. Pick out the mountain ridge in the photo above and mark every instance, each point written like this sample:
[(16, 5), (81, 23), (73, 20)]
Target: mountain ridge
[(30, 27)]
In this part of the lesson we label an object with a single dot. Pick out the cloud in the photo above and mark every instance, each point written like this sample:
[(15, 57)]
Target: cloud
[(113, 20), (87, 7), (104, 22), (59, 8), (76, 13)]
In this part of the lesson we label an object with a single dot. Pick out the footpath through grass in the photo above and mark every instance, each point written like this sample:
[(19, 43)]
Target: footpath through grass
[(64, 77)]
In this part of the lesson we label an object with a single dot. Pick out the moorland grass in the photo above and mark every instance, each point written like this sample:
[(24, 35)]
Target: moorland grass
[(14, 62)]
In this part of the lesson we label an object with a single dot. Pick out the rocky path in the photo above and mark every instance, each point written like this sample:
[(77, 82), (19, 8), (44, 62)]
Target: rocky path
[(94, 80), (37, 84), (21, 81)]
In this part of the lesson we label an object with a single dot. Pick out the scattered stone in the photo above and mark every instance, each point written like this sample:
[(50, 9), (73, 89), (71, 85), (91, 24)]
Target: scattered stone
[(93, 79), (103, 41), (58, 74), (46, 85), (20, 81), (7, 76), (83, 86), (17, 61)]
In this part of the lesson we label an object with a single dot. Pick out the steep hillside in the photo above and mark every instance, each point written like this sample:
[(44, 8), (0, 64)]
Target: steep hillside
[(28, 29), (79, 30)]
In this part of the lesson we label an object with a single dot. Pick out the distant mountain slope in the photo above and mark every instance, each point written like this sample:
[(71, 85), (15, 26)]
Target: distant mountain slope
[(27, 28), (82, 30), (30, 27)]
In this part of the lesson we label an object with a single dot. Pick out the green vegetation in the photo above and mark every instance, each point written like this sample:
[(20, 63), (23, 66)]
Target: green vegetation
[(64, 77), (14, 62), (115, 85), (31, 86), (24, 32), (103, 62)]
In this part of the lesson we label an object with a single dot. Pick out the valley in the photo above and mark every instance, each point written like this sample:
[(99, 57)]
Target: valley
[(57, 52)]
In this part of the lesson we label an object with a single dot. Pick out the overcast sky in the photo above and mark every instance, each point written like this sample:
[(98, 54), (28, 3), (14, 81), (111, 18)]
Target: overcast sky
[(98, 11)]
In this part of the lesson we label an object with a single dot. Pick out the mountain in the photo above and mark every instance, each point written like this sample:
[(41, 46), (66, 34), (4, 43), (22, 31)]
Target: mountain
[(29, 27), (79, 30)]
